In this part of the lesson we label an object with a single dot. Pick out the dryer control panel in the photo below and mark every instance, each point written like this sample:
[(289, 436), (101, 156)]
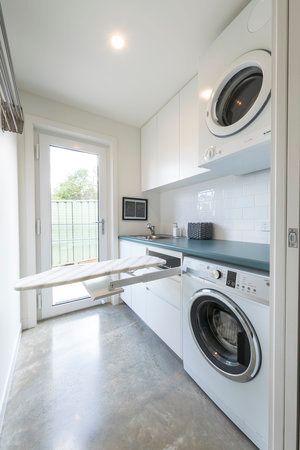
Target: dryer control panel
[(250, 283)]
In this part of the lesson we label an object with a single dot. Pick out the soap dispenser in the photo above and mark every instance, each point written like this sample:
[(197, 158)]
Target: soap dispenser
[(176, 230)]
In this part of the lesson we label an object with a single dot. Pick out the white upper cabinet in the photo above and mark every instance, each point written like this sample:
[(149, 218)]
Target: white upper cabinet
[(149, 155), (168, 142), (189, 134)]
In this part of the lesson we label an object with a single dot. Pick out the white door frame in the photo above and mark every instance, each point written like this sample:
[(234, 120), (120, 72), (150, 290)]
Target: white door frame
[(291, 435), (285, 214), (27, 199), (43, 208)]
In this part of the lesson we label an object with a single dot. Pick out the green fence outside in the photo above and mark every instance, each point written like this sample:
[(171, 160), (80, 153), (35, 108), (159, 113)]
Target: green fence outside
[(74, 231)]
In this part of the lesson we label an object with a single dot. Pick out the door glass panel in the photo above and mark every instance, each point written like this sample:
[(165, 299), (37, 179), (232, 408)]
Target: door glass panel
[(74, 214), (225, 328), (220, 335)]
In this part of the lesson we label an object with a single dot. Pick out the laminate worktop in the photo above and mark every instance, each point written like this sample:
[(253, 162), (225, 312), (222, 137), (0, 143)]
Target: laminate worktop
[(245, 254)]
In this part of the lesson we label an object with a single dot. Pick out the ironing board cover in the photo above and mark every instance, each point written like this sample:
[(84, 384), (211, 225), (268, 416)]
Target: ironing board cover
[(81, 272)]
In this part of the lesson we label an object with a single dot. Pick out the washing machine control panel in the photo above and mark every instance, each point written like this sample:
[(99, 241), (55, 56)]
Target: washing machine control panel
[(248, 283), (252, 284), (231, 278)]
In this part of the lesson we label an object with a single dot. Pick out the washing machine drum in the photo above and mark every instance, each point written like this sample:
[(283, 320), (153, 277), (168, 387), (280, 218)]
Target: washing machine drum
[(240, 94), (224, 335)]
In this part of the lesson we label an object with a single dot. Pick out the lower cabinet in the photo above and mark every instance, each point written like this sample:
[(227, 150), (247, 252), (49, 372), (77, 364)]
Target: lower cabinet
[(165, 320), (139, 298), (157, 303), (126, 295), (129, 249)]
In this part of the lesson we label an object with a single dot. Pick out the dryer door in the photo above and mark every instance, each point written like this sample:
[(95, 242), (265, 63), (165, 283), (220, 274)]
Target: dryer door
[(240, 94), (224, 335)]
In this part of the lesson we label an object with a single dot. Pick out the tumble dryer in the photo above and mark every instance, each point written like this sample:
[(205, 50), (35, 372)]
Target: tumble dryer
[(234, 95)]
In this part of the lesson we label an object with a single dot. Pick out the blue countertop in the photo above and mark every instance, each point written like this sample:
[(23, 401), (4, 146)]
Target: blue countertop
[(245, 254)]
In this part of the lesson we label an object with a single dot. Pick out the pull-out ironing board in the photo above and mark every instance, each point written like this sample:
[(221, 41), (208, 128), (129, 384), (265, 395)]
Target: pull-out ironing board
[(96, 277)]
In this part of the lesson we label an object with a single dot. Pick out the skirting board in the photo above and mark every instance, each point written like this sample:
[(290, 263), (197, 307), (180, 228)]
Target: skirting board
[(9, 379)]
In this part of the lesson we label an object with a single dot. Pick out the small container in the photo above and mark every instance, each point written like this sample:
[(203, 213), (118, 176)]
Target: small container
[(200, 230), (176, 230)]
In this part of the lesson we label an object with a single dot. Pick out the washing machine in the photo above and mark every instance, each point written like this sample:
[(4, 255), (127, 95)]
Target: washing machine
[(225, 324), (234, 95)]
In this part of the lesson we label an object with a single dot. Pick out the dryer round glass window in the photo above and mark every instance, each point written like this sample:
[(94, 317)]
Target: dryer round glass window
[(224, 335), (240, 94)]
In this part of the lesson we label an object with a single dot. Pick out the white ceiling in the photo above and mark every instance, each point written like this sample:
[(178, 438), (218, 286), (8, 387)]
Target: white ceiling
[(60, 50)]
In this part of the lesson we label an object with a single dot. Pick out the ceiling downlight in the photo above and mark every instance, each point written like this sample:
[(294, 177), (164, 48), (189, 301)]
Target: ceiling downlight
[(117, 41)]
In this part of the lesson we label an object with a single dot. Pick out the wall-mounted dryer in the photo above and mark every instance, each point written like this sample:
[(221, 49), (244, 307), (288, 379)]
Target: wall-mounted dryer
[(234, 95)]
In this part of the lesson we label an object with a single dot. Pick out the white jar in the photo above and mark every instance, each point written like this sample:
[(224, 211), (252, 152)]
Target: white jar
[(176, 230)]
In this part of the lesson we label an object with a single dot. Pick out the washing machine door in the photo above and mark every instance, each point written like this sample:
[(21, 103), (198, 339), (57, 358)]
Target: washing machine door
[(240, 94), (224, 335)]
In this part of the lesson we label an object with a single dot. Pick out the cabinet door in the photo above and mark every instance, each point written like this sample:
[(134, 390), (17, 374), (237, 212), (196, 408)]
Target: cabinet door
[(139, 297), (125, 251), (189, 130), (168, 142), (149, 155), (165, 320), (130, 294), (138, 291)]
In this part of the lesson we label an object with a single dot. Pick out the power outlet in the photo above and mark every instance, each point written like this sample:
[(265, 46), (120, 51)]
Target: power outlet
[(265, 226)]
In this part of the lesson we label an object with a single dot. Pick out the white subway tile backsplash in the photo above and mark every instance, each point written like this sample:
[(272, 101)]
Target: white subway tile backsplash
[(239, 207), (254, 236), (262, 199), (244, 201), (232, 235), (225, 203), (233, 213), (262, 225), (243, 225), (259, 212)]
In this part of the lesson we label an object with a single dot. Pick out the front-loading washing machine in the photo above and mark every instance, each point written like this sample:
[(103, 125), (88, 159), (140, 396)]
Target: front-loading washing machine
[(234, 95), (226, 340)]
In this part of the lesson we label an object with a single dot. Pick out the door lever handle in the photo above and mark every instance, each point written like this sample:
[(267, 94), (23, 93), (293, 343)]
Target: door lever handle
[(102, 223)]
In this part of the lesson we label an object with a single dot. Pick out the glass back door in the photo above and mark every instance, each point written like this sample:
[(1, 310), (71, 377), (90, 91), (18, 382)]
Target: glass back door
[(71, 207)]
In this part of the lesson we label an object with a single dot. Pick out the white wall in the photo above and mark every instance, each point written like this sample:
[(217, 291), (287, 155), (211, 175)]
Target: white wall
[(238, 206), (128, 138), (9, 260)]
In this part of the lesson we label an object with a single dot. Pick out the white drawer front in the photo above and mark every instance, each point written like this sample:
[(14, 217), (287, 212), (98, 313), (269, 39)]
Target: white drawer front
[(168, 289), (165, 321), (139, 300)]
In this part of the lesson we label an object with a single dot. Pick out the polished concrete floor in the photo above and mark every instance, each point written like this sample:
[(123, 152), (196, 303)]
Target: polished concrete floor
[(100, 379)]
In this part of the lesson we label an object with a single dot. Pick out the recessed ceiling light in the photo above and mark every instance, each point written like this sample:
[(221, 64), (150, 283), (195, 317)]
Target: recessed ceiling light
[(117, 41)]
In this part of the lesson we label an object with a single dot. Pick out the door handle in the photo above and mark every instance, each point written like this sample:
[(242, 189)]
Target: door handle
[(102, 223)]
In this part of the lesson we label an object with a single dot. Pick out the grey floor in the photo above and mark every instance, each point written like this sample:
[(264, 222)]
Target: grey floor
[(101, 379)]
